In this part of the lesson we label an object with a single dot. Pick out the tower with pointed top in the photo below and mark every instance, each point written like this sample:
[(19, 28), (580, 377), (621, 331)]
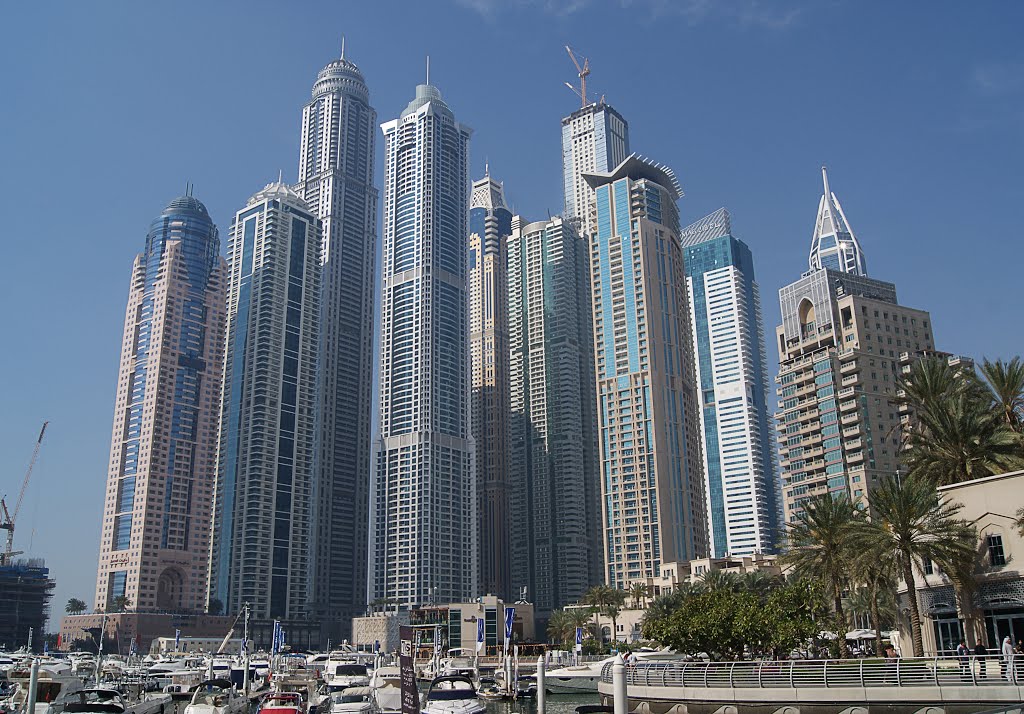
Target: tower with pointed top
[(336, 163), (842, 343), (423, 502), (833, 244), (155, 536), (266, 481), (490, 223), (595, 138)]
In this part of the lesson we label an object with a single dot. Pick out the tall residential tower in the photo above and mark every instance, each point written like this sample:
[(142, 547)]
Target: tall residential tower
[(156, 519), (555, 486), (842, 339), (263, 544), (653, 487), (594, 139), (490, 223), (423, 501), (336, 180), (739, 463)]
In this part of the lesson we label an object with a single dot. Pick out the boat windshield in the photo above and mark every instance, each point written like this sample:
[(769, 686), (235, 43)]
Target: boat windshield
[(350, 670), (342, 698), (213, 699)]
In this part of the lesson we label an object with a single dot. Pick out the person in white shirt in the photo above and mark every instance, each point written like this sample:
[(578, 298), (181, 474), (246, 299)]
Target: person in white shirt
[(1007, 652)]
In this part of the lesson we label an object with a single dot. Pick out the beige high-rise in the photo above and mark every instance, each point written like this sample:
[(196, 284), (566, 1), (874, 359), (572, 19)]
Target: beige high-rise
[(155, 539)]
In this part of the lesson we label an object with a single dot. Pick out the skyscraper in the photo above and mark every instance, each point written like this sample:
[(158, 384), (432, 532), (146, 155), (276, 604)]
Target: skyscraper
[(490, 223), (423, 501), (555, 486), (653, 487), (739, 463), (595, 138), (842, 338), (262, 548), (156, 533), (336, 180)]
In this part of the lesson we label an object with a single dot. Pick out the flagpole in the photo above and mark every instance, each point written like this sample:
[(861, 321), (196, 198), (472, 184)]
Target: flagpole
[(245, 652)]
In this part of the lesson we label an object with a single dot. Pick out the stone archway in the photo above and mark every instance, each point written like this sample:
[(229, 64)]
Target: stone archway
[(170, 588)]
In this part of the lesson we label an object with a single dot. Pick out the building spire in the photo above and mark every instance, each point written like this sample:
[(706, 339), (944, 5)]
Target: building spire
[(343, 47), (833, 244), (428, 70), (280, 175)]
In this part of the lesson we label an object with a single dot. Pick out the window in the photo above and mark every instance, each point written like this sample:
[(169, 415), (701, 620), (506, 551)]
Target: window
[(996, 556), (926, 566)]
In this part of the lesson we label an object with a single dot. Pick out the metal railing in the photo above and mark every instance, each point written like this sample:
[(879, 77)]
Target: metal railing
[(825, 673)]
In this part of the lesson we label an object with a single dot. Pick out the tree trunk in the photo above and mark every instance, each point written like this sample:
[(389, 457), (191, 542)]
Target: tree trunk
[(840, 621), (876, 620), (964, 596), (915, 611)]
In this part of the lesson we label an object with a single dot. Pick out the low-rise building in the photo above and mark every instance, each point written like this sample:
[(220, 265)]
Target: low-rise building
[(144, 628), (997, 607)]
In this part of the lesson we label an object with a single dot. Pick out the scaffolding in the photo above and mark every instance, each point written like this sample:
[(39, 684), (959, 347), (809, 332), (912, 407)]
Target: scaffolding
[(25, 591)]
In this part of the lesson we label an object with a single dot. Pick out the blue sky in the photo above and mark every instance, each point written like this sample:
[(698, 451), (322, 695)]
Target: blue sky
[(109, 108)]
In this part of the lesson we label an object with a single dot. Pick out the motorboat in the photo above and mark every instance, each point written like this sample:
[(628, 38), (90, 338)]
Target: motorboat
[(217, 696), (351, 700), (489, 690), (584, 677), (346, 674), (52, 690), (386, 689), (453, 694), (102, 700), (282, 703)]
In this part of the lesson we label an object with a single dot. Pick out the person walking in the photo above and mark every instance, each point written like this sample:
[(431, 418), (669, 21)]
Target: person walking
[(1007, 652), (963, 654), (980, 653)]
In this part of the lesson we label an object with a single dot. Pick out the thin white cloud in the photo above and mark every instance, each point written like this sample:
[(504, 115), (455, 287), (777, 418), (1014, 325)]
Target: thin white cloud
[(743, 13), (998, 77)]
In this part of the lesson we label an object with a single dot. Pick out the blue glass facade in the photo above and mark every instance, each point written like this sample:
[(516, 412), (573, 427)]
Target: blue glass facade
[(723, 295), (165, 418)]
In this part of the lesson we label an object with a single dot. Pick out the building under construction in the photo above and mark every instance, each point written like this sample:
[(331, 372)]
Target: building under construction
[(25, 591)]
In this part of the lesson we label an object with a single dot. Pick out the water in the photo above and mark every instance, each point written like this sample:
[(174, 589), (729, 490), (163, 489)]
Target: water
[(556, 704)]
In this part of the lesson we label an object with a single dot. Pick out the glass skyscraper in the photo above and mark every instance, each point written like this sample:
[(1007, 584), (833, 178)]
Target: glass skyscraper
[(424, 496), (650, 446), (594, 138), (739, 464), (156, 522), (555, 487), (263, 544), (490, 223), (336, 180)]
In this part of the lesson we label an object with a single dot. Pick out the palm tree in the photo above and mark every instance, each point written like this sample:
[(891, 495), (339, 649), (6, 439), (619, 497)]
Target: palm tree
[(909, 523), (962, 440), (638, 591), (120, 604), (607, 601), (876, 575), (75, 606), (1006, 380), (760, 582), (558, 627), (819, 546), (720, 580)]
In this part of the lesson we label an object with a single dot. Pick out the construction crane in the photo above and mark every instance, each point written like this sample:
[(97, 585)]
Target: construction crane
[(8, 519), (582, 73)]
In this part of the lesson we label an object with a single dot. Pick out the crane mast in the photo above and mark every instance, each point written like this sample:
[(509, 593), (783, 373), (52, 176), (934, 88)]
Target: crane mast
[(582, 73), (8, 518)]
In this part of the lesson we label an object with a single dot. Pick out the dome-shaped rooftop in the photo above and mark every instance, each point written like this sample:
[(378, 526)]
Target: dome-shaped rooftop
[(187, 204), (341, 75), (279, 190)]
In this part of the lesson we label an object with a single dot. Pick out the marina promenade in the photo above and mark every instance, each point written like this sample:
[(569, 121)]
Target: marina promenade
[(855, 686)]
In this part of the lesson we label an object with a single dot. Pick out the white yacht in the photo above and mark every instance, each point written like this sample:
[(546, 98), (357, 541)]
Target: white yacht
[(53, 691), (453, 694), (346, 674), (217, 696), (584, 677), (351, 700), (386, 690)]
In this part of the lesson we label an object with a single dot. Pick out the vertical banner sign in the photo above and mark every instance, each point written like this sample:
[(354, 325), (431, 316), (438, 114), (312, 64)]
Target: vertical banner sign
[(510, 616), (410, 694), (437, 642), (579, 639), (177, 639), (479, 634)]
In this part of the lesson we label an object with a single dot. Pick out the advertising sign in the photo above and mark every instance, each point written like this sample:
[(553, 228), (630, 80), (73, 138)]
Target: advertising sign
[(410, 694)]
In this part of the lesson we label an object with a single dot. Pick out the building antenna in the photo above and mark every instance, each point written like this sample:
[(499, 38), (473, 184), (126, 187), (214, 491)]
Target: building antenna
[(343, 47), (582, 73), (428, 69), (280, 175)]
